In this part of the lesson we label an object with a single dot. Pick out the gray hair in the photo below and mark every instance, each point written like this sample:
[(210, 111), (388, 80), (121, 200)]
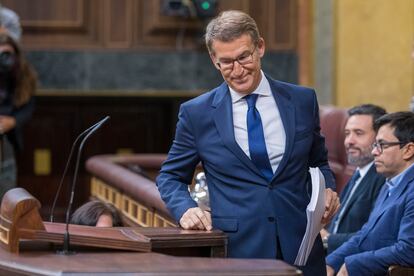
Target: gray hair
[(11, 22), (230, 25)]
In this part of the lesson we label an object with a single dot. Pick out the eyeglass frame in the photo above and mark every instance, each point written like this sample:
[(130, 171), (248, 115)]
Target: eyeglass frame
[(380, 145), (250, 55)]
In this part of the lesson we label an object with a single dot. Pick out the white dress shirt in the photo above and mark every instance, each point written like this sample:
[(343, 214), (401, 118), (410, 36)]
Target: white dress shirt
[(362, 172), (273, 129)]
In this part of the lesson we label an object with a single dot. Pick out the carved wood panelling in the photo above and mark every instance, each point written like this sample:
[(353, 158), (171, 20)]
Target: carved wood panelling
[(117, 23), (140, 24), (49, 14), (51, 24)]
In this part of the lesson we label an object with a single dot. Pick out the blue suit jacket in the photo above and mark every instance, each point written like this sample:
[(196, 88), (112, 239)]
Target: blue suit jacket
[(388, 236), (358, 210), (248, 208)]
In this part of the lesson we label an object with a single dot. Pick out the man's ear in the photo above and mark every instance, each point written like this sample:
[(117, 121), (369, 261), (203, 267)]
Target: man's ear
[(261, 46), (408, 151), (213, 60)]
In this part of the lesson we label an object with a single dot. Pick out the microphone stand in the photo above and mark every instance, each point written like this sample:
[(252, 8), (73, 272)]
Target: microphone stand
[(51, 218), (89, 132)]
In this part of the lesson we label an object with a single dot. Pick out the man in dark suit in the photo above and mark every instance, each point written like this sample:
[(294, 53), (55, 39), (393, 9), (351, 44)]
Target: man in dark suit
[(256, 139), (388, 236), (360, 193)]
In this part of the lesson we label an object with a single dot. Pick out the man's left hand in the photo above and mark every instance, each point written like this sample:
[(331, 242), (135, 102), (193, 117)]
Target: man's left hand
[(343, 271), (331, 205)]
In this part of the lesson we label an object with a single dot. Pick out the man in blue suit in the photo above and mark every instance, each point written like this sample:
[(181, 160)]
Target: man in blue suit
[(256, 139), (388, 236), (360, 193)]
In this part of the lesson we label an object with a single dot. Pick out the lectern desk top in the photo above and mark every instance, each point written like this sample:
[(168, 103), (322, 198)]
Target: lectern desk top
[(20, 220), (27, 248), (38, 259)]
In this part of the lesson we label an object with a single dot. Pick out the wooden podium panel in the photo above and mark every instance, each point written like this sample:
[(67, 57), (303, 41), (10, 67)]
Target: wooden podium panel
[(37, 259), (175, 241), (28, 247), (20, 220)]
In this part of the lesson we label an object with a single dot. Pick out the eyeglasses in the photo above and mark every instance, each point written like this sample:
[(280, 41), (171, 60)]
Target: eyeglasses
[(244, 59), (380, 146)]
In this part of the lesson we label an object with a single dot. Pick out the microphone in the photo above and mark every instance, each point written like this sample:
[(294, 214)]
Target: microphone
[(86, 134), (89, 129)]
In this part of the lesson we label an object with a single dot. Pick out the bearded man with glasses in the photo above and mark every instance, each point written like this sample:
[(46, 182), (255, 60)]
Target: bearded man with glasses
[(256, 139), (388, 236)]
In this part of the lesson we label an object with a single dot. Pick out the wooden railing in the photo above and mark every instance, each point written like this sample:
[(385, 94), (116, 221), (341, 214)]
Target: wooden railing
[(118, 180)]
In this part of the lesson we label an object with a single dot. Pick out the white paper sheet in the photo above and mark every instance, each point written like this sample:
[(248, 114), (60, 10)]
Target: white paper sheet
[(314, 213)]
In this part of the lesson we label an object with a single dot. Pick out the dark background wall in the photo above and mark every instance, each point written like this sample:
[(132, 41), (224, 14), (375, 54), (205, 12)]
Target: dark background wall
[(127, 59)]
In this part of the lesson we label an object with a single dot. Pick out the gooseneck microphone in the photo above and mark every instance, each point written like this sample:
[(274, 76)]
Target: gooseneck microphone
[(86, 134), (86, 131)]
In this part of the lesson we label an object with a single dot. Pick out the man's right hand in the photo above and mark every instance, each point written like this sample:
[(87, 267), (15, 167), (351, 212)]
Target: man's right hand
[(196, 219)]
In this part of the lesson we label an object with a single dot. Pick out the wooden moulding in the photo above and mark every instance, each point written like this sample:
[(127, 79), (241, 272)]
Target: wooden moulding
[(20, 220), (19, 209)]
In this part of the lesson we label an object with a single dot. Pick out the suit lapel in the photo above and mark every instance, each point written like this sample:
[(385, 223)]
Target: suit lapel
[(384, 202), (223, 119), (287, 113), (397, 192), (365, 182)]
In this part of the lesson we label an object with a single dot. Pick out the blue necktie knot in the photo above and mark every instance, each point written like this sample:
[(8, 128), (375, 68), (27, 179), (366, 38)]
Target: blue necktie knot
[(355, 177), (251, 100)]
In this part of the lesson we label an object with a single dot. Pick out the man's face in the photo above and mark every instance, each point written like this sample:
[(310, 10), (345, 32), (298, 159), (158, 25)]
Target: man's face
[(359, 136), (242, 78), (391, 161)]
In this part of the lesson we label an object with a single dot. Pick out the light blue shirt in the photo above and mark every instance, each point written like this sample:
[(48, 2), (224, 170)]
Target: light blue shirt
[(393, 182)]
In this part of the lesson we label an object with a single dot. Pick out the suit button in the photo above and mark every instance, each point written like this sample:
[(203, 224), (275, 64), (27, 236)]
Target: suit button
[(271, 219)]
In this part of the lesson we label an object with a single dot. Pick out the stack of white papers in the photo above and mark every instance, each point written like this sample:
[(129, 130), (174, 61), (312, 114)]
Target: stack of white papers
[(314, 212)]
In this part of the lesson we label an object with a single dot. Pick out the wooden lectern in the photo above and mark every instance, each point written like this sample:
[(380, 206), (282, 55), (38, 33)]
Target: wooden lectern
[(23, 231), (20, 220)]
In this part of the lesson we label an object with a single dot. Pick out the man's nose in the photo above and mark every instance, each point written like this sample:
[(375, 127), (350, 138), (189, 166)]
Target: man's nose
[(349, 140), (375, 151), (237, 68)]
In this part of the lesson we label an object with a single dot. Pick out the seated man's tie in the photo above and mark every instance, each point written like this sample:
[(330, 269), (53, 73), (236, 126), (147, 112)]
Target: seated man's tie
[(257, 145), (338, 218)]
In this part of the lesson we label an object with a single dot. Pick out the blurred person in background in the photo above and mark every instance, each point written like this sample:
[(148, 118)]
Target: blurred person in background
[(17, 86), (412, 99), (10, 23), (97, 213)]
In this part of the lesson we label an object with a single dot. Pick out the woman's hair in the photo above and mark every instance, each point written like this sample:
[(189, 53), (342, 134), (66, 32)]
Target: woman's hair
[(24, 77), (89, 213)]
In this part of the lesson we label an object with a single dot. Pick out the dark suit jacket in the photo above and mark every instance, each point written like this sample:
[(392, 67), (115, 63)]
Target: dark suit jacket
[(358, 209), (388, 236), (251, 210)]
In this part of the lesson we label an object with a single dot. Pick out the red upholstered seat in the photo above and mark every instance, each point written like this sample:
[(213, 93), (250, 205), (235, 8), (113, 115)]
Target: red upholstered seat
[(333, 120)]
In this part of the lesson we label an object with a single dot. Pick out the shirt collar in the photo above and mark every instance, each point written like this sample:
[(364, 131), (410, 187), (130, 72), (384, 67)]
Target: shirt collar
[(394, 181), (364, 170), (262, 89)]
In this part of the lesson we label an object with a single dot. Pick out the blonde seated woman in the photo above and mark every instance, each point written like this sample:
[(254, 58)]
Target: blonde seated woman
[(97, 213)]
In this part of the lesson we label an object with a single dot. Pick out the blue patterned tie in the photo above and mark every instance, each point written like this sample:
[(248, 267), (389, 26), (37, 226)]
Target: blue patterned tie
[(257, 145)]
